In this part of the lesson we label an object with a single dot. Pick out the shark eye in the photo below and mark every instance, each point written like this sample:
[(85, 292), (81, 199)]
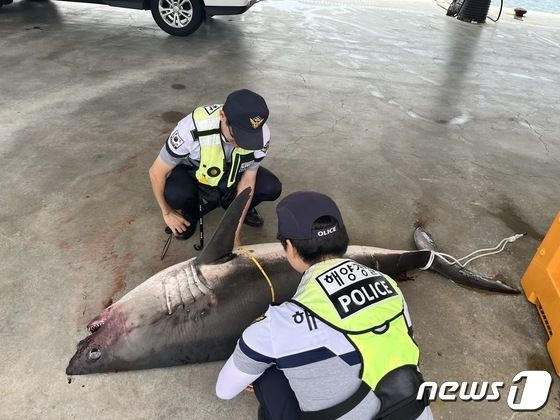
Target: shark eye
[(95, 353)]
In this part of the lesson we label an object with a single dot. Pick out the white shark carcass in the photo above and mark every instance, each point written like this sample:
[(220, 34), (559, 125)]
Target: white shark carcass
[(194, 311)]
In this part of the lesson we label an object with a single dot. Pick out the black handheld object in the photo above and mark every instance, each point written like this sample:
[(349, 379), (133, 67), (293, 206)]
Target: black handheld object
[(201, 224), (167, 243)]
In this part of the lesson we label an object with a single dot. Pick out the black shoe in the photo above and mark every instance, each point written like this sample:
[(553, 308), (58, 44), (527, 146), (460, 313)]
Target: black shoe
[(253, 218), (183, 235)]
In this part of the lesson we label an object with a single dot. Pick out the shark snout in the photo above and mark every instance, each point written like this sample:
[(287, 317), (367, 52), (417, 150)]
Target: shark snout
[(94, 353)]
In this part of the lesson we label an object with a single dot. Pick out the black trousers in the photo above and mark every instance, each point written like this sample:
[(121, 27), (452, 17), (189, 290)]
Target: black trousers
[(277, 400), (182, 190)]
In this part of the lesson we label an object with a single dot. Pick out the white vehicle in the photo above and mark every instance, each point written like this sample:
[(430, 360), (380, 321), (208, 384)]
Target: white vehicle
[(177, 17), (183, 17)]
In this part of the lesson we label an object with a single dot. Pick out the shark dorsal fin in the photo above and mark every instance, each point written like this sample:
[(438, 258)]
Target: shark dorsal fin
[(221, 244)]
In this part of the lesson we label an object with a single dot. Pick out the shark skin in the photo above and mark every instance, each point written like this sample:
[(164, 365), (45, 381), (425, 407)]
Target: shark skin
[(195, 311), (193, 314)]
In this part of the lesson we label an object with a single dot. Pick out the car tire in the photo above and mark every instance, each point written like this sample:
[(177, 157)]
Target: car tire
[(178, 17)]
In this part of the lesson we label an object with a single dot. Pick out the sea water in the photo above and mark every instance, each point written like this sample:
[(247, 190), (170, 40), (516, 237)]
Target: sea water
[(550, 6)]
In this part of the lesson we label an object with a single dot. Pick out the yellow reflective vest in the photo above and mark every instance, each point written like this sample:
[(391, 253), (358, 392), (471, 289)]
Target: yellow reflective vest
[(365, 305), (213, 166)]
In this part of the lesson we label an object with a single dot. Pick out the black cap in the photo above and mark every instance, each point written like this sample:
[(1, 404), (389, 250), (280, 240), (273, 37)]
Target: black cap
[(246, 113), (298, 211)]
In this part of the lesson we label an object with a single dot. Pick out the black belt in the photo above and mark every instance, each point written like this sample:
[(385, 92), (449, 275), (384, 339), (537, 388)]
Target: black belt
[(397, 392)]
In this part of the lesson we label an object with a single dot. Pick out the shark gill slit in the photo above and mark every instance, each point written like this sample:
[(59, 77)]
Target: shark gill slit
[(183, 289)]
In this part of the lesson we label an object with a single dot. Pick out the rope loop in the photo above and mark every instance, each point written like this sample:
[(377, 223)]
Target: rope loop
[(259, 266), (484, 252)]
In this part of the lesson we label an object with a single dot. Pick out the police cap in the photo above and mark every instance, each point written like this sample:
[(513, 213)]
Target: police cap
[(298, 212), (246, 113)]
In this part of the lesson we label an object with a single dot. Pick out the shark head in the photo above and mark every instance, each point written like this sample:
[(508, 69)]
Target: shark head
[(161, 320), (96, 352), (154, 325)]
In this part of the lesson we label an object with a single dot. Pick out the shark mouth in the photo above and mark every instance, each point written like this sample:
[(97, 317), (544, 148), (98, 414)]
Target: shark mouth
[(95, 325), (99, 321)]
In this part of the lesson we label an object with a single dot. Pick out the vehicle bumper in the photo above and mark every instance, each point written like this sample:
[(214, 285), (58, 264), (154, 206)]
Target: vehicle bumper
[(236, 9)]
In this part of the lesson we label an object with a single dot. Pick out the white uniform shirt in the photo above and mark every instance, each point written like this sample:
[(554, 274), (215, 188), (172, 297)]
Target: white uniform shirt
[(181, 147), (320, 363)]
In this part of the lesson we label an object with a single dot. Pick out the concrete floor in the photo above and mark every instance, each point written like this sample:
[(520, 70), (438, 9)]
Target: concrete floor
[(396, 111)]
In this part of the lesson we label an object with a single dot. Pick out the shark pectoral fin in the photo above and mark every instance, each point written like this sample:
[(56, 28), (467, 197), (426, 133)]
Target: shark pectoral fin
[(221, 243)]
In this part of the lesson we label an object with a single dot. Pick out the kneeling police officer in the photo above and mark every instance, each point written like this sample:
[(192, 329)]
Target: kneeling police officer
[(342, 347), (213, 154)]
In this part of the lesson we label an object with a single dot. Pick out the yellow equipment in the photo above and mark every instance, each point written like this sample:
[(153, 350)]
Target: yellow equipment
[(541, 283)]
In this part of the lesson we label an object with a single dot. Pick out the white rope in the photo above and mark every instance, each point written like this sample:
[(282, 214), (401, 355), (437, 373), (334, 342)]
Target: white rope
[(484, 252), (430, 261)]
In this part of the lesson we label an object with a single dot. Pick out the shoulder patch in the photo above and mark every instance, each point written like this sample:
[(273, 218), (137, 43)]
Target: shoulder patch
[(259, 318), (210, 109), (175, 140)]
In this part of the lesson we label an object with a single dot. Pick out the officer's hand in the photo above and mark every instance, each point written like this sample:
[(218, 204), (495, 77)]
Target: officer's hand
[(176, 222)]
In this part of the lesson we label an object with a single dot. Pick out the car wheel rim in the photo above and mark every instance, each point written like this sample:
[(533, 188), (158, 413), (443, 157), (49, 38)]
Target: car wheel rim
[(176, 13)]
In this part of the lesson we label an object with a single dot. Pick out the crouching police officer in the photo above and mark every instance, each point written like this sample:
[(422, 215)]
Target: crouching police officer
[(342, 347), (216, 151)]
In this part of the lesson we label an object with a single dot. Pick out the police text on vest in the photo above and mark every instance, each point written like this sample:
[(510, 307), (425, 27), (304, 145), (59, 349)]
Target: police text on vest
[(352, 287)]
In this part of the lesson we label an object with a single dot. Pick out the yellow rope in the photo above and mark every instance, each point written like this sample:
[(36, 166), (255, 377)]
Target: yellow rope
[(249, 255)]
